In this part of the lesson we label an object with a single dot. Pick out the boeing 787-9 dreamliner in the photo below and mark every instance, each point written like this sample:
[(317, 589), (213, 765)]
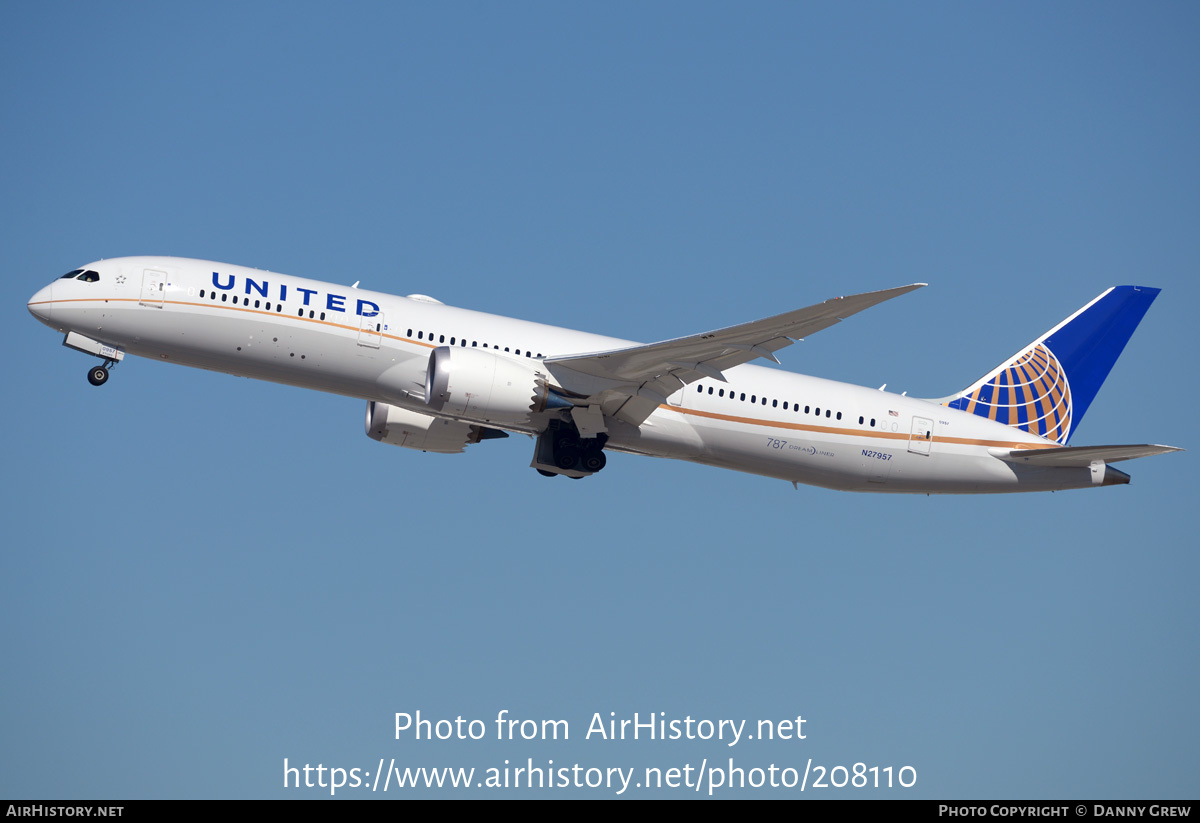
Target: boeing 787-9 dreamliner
[(438, 378)]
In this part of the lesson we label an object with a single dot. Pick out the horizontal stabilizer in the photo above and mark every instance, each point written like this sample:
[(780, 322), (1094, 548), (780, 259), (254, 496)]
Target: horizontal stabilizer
[(1079, 455)]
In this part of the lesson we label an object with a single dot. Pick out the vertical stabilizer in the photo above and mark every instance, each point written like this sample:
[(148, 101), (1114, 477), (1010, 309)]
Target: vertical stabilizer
[(1046, 387)]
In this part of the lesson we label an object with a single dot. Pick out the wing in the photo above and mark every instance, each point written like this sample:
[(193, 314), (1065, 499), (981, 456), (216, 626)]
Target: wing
[(630, 383)]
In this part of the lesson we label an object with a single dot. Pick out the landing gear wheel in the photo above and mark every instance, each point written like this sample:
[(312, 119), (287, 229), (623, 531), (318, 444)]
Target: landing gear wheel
[(594, 461), (566, 456), (545, 473), (98, 376)]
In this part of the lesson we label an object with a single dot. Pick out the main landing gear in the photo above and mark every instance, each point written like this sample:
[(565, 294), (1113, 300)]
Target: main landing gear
[(560, 450), (98, 375)]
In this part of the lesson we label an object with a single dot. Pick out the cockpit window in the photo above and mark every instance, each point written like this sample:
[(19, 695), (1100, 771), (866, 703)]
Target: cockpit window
[(71, 274), (88, 277)]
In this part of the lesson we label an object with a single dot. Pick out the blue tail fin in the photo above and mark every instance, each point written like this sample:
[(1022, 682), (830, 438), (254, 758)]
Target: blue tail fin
[(1046, 387)]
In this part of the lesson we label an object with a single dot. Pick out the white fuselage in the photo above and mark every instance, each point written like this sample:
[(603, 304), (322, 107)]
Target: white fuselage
[(376, 347)]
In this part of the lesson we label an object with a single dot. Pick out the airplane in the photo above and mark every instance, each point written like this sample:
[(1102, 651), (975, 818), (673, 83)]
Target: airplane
[(439, 378)]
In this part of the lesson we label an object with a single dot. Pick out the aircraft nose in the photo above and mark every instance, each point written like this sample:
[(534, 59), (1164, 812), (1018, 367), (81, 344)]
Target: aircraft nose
[(41, 304)]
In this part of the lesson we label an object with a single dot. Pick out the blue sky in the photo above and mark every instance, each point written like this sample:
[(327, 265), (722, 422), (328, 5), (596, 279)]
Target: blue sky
[(204, 575)]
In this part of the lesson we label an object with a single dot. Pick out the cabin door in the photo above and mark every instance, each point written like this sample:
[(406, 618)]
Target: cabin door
[(370, 330), (154, 288), (921, 439)]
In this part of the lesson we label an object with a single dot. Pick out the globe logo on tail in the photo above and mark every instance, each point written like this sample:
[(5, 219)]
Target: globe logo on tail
[(1031, 393)]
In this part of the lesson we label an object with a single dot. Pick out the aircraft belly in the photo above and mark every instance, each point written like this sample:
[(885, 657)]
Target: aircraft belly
[(970, 470), (812, 458), (870, 465), (663, 434)]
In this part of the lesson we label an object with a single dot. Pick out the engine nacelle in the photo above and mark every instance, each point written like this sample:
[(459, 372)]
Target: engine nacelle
[(412, 430), (479, 385)]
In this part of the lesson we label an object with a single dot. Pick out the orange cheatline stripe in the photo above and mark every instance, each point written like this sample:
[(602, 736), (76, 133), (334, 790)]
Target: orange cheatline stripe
[(713, 415), (779, 424)]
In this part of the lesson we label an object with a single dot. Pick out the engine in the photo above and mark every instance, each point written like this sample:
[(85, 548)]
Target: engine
[(479, 385), (413, 430)]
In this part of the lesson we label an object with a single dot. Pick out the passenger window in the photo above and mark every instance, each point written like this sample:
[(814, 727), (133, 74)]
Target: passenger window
[(201, 292), (224, 298)]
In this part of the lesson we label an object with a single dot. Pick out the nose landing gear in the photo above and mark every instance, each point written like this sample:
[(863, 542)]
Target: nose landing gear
[(111, 355), (98, 375)]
